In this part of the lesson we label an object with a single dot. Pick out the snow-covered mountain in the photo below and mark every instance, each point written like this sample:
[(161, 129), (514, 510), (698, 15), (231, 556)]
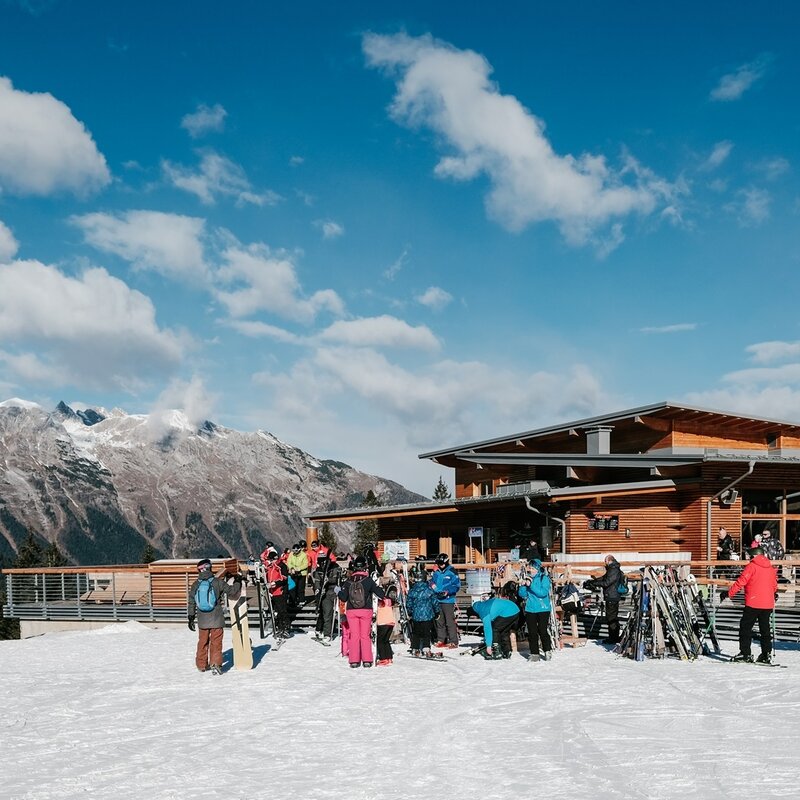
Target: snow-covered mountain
[(104, 483)]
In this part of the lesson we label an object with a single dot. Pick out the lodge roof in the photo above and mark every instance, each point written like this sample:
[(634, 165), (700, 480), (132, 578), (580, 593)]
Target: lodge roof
[(663, 410)]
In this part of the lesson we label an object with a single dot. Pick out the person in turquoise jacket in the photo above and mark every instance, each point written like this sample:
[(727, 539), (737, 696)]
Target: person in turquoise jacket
[(535, 591), (499, 616)]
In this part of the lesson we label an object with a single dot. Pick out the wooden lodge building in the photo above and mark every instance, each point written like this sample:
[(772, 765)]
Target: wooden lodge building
[(654, 482)]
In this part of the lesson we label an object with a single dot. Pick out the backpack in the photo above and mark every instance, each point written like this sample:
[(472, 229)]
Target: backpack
[(205, 597), (622, 586), (570, 597), (357, 596)]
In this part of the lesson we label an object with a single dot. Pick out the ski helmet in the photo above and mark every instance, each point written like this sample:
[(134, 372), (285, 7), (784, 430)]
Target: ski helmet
[(296, 547), (442, 560), (204, 565), (272, 554), (315, 543), (359, 563)]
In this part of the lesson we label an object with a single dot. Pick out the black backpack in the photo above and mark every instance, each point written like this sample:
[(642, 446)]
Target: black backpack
[(357, 596)]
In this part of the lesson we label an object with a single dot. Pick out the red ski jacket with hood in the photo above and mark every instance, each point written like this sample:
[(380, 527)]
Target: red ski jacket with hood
[(759, 579)]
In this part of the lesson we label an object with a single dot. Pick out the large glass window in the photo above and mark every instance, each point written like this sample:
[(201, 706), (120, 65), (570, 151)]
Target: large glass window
[(775, 510), (762, 503)]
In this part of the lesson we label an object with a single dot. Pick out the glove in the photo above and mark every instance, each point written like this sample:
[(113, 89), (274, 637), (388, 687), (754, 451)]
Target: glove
[(776, 597), (237, 578), (337, 590), (191, 624)]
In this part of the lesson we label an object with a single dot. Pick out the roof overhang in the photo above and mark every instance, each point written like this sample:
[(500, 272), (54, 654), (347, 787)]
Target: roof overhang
[(619, 460)]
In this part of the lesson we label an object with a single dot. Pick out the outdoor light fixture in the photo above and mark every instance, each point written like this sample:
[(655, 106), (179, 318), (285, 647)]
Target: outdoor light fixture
[(627, 533)]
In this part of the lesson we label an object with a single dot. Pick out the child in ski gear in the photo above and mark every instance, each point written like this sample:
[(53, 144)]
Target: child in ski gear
[(535, 591), (277, 577), (499, 616), (357, 592), (423, 606), (609, 583), (324, 626), (446, 583), (206, 613), (385, 623), (297, 564), (760, 583)]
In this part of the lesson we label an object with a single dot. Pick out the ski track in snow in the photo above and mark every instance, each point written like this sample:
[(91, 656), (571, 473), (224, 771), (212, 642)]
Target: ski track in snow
[(121, 712)]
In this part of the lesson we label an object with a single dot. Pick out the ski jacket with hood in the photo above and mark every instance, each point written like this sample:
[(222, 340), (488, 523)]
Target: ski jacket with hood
[(759, 581), (610, 581), (492, 609), (537, 595), (277, 573), (446, 583), (421, 602), (298, 563), (371, 589), (215, 618)]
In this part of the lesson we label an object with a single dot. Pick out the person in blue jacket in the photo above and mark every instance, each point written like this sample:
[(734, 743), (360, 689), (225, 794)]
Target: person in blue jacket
[(499, 616), (423, 607), (446, 583), (535, 591)]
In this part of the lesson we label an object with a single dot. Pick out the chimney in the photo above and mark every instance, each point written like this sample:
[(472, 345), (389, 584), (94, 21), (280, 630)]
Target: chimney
[(598, 440)]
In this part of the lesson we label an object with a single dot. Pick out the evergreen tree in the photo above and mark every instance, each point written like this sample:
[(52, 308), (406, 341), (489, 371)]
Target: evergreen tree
[(366, 529), (148, 554), (9, 628), (30, 554), (53, 556), (326, 537), (441, 492)]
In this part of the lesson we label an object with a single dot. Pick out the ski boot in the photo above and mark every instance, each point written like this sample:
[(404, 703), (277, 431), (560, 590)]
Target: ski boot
[(533, 658), (547, 655), (355, 665), (366, 664), (216, 669), (764, 658), (747, 659)]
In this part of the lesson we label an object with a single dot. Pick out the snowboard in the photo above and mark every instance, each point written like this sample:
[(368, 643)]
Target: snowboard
[(240, 628)]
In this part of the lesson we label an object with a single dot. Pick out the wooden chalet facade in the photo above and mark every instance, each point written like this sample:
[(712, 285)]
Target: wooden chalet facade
[(655, 481)]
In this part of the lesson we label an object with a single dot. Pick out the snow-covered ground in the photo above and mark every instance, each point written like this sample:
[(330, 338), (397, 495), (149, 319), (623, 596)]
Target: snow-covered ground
[(121, 712)]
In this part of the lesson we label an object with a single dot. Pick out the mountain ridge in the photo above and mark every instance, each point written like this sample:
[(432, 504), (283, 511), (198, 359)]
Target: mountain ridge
[(102, 485)]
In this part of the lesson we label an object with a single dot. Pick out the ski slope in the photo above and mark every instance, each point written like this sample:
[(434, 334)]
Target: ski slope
[(121, 712)]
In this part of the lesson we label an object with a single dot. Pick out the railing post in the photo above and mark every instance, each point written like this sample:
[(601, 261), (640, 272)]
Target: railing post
[(150, 594), (44, 595), (10, 593), (114, 594), (63, 588), (78, 588)]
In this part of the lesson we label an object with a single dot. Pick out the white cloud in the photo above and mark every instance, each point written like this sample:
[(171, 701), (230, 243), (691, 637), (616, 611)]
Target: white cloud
[(676, 328), (166, 243), (391, 272), (43, 148), (718, 185), (191, 398), (772, 168), (263, 281), (719, 154), (785, 373), (734, 84), (772, 402), (329, 228), (435, 298), (206, 119), (8, 244), (296, 161), (91, 329), (217, 176), (383, 331), (449, 91), (751, 206), (770, 352), (254, 329)]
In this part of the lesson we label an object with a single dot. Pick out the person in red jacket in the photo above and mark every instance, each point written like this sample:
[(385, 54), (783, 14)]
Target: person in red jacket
[(760, 583), (277, 576)]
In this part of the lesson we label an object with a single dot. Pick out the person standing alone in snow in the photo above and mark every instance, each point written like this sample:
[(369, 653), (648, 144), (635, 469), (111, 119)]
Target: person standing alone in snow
[(760, 583), (205, 612)]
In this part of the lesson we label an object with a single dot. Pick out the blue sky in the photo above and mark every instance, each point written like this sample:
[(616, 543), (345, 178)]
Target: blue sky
[(376, 229)]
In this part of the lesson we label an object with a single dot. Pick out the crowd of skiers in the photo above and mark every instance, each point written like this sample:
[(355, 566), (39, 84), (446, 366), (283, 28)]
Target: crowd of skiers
[(362, 592)]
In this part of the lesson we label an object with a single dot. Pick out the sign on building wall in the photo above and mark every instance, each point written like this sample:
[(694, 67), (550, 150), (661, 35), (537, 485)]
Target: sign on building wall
[(604, 523), (398, 549)]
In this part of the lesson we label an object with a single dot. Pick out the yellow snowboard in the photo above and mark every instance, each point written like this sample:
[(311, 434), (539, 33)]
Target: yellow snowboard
[(240, 631)]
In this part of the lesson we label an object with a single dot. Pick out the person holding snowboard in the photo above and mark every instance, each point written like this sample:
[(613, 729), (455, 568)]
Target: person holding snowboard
[(206, 615), (446, 583), (759, 580), (357, 593), (535, 591), (423, 606)]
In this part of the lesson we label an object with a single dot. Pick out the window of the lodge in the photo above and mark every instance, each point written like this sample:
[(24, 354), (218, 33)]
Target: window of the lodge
[(777, 510)]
